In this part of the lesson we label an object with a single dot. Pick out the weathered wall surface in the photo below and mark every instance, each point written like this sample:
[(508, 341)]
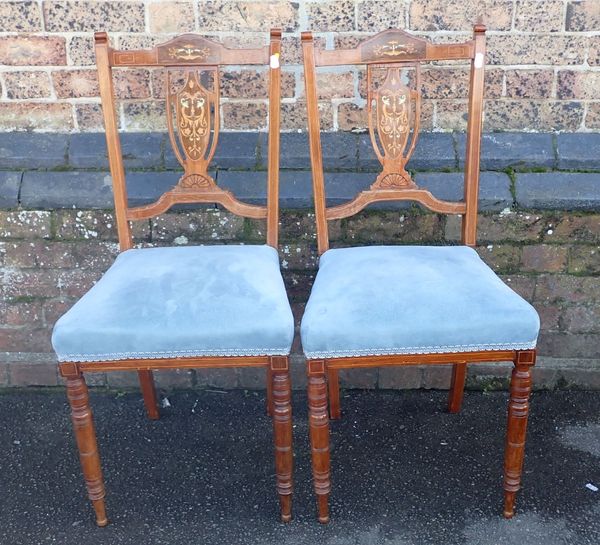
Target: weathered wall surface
[(544, 58), (539, 228)]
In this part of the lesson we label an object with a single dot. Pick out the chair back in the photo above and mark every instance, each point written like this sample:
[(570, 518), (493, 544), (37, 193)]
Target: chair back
[(393, 111), (192, 109)]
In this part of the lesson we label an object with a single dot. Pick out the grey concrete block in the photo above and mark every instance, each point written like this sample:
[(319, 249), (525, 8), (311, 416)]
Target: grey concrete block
[(433, 151), (9, 188), (511, 149), (294, 187), (579, 151), (558, 190), (234, 150), (33, 150), (66, 190), (494, 188), (147, 187), (339, 150), (140, 150)]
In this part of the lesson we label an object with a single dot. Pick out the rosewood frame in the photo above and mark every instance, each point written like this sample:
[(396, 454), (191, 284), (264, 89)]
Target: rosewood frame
[(187, 52), (396, 48)]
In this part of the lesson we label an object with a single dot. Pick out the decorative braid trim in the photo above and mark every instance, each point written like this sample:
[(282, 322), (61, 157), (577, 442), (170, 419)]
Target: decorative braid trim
[(447, 349), (226, 352)]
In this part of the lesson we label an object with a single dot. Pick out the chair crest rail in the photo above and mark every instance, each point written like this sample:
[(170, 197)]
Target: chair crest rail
[(186, 50)]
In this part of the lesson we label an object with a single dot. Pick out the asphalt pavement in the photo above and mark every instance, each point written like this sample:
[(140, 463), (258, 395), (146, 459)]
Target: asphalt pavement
[(404, 471)]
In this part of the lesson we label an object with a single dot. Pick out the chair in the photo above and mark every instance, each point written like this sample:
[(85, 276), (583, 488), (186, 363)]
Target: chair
[(184, 307), (405, 305)]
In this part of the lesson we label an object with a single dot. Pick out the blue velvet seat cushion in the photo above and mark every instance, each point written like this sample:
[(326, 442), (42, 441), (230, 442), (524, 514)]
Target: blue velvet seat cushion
[(181, 302), (383, 300)]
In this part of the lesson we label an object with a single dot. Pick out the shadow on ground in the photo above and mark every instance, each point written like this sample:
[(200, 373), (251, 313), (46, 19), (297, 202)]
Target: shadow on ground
[(404, 472)]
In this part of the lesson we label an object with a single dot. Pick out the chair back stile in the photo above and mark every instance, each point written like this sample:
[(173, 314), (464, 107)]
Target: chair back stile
[(393, 111), (193, 123)]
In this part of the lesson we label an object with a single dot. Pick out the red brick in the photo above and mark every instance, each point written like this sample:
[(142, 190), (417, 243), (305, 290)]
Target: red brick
[(563, 287), (22, 85), (35, 116), (43, 373), (434, 15), (33, 50), (584, 260), (549, 316), (171, 17), (529, 83), (544, 258), (330, 16), (80, 16), (25, 339), (20, 16), (582, 319), (21, 313), (245, 115)]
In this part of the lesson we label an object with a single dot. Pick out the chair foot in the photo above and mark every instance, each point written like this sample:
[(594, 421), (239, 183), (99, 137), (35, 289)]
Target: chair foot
[(100, 510), (509, 504), (282, 432), (333, 384), (319, 435), (149, 394), (323, 507), (518, 412), (457, 387), (285, 503)]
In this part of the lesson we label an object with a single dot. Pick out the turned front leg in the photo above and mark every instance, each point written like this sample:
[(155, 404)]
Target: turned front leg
[(85, 435), (518, 411), (282, 431), (319, 435)]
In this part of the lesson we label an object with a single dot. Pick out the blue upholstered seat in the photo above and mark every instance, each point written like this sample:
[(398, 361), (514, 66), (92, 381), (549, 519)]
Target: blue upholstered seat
[(382, 300), (178, 302)]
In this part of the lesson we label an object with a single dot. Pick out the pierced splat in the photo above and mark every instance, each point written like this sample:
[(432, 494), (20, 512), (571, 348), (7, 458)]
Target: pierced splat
[(396, 116), (194, 136)]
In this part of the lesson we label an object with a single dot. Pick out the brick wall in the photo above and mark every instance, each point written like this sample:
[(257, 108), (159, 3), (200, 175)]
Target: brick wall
[(539, 229), (50, 258), (544, 60)]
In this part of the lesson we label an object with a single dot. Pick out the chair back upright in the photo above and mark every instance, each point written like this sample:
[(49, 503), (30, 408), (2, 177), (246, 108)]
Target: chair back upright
[(192, 108), (393, 112)]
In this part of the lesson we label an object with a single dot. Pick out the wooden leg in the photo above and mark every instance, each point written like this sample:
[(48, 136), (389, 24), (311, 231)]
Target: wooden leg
[(319, 435), (269, 391), (149, 393), (282, 432), (457, 387), (518, 410), (85, 435), (333, 384)]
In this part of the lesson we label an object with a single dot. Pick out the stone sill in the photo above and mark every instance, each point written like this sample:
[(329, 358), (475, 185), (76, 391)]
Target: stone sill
[(555, 190), (526, 170)]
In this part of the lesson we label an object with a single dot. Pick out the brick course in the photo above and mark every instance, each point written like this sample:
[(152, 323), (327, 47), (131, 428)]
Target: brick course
[(544, 59), (50, 258)]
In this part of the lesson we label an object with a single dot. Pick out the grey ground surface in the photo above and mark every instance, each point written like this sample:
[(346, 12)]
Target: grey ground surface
[(404, 471)]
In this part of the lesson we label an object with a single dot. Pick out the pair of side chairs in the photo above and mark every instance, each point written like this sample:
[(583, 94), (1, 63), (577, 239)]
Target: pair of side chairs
[(226, 306)]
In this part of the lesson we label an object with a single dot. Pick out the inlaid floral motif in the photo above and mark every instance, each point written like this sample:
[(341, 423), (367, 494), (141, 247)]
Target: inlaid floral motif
[(393, 110), (394, 48), (193, 117), (189, 52)]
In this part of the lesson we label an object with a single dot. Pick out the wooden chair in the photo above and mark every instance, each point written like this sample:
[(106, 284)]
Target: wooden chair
[(184, 307), (406, 305)]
